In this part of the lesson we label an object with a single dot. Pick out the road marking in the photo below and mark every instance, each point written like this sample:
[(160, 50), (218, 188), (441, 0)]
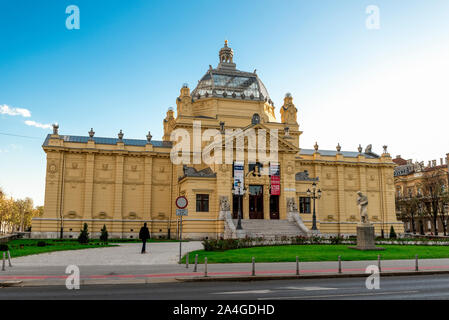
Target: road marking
[(307, 288), (276, 290), (245, 292), (338, 295)]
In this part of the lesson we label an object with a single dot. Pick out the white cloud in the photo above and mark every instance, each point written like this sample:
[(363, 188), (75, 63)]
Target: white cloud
[(37, 124), (5, 109)]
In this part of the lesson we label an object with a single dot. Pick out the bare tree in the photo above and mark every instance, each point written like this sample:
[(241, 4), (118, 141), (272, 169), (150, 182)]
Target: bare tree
[(443, 208), (434, 186), (408, 210)]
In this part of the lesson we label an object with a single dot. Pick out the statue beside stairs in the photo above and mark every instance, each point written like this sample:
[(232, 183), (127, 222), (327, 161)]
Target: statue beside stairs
[(293, 215), (230, 232), (365, 230)]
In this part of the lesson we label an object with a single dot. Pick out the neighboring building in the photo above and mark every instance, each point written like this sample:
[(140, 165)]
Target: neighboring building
[(125, 182), (418, 188)]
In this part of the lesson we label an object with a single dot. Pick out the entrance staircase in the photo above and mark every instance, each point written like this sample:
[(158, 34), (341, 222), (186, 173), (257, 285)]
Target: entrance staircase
[(270, 229)]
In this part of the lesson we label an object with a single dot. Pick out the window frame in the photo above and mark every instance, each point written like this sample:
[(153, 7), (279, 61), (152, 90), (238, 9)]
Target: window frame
[(305, 203), (202, 202)]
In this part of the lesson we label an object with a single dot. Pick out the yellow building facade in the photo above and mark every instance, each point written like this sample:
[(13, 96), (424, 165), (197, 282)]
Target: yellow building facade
[(122, 183)]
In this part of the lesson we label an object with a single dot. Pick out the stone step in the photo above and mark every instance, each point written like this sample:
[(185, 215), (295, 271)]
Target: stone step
[(269, 228)]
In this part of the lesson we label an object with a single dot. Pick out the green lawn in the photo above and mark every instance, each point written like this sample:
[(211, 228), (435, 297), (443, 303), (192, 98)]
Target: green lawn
[(305, 253)]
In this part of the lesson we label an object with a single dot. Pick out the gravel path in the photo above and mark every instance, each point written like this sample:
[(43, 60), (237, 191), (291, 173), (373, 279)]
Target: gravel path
[(124, 254)]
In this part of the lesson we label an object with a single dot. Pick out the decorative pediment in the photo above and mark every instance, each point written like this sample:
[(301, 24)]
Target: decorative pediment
[(283, 144)]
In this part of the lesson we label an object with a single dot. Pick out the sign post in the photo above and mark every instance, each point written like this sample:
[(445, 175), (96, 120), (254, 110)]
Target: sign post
[(181, 204)]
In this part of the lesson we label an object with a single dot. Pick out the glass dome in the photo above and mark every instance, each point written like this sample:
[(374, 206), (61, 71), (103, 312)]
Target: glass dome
[(227, 82)]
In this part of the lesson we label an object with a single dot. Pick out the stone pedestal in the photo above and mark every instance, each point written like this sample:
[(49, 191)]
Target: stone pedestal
[(365, 238), (240, 234)]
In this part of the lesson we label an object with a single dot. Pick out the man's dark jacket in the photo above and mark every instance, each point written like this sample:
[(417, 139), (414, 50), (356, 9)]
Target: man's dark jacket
[(144, 233)]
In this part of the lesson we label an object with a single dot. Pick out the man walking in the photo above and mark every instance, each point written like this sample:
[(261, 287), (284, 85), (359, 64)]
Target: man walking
[(144, 235)]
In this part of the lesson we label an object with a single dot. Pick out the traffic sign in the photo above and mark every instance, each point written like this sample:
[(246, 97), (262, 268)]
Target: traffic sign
[(181, 202), (181, 212)]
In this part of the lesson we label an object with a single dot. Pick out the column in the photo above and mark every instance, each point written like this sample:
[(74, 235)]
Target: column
[(266, 201)]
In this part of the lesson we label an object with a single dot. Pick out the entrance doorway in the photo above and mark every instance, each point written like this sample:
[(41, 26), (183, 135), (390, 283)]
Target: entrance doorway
[(274, 207), (235, 206), (256, 202)]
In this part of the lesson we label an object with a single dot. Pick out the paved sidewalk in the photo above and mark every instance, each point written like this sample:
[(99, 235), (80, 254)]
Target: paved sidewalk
[(125, 264), (113, 274), (122, 255)]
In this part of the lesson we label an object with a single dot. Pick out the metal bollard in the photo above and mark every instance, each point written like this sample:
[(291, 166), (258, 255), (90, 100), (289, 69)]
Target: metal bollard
[(196, 263), (339, 264), (205, 266), (253, 273), (297, 265), (3, 264), (9, 259), (416, 263), (187, 261), (378, 263)]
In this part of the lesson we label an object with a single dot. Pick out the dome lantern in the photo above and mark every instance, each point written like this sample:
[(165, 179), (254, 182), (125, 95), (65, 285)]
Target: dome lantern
[(226, 55)]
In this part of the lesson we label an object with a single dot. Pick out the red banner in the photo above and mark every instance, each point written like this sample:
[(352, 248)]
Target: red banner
[(275, 185)]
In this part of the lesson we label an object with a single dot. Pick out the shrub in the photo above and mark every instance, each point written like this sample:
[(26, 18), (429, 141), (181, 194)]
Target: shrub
[(336, 240), (104, 234), (83, 238), (392, 233), (4, 247), (299, 240), (41, 243)]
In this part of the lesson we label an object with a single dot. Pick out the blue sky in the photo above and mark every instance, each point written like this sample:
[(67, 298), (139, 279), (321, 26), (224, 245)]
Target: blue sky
[(125, 65)]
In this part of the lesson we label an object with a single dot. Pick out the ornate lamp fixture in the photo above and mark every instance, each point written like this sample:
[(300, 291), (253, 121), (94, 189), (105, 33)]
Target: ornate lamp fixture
[(239, 192), (314, 194)]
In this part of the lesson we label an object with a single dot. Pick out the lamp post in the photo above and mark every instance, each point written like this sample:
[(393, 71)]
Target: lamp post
[(314, 194), (240, 193)]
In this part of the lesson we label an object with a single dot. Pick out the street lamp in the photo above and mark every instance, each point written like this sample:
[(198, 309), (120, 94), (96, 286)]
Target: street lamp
[(240, 192), (314, 194)]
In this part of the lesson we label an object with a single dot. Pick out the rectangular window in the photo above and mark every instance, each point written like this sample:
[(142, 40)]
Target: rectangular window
[(202, 203), (304, 205)]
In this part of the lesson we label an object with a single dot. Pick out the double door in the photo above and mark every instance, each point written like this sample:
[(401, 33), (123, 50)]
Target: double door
[(256, 202)]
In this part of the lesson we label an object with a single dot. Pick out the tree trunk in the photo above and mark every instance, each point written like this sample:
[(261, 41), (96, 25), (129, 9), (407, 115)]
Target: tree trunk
[(443, 223), (435, 225)]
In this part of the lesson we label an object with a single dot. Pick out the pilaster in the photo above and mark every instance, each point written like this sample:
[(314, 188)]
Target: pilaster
[(147, 189), (89, 186), (118, 194)]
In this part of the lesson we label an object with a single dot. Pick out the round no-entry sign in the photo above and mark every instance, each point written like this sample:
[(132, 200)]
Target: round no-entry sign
[(181, 202)]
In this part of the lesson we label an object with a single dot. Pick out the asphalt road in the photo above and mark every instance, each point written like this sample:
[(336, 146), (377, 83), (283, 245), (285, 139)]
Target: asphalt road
[(391, 288)]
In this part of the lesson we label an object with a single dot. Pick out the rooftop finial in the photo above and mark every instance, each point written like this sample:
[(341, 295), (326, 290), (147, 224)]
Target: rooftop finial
[(226, 43), (91, 134)]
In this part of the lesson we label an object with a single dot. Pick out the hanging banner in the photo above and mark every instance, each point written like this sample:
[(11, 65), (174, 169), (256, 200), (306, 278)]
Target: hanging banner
[(275, 179), (238, 176)]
